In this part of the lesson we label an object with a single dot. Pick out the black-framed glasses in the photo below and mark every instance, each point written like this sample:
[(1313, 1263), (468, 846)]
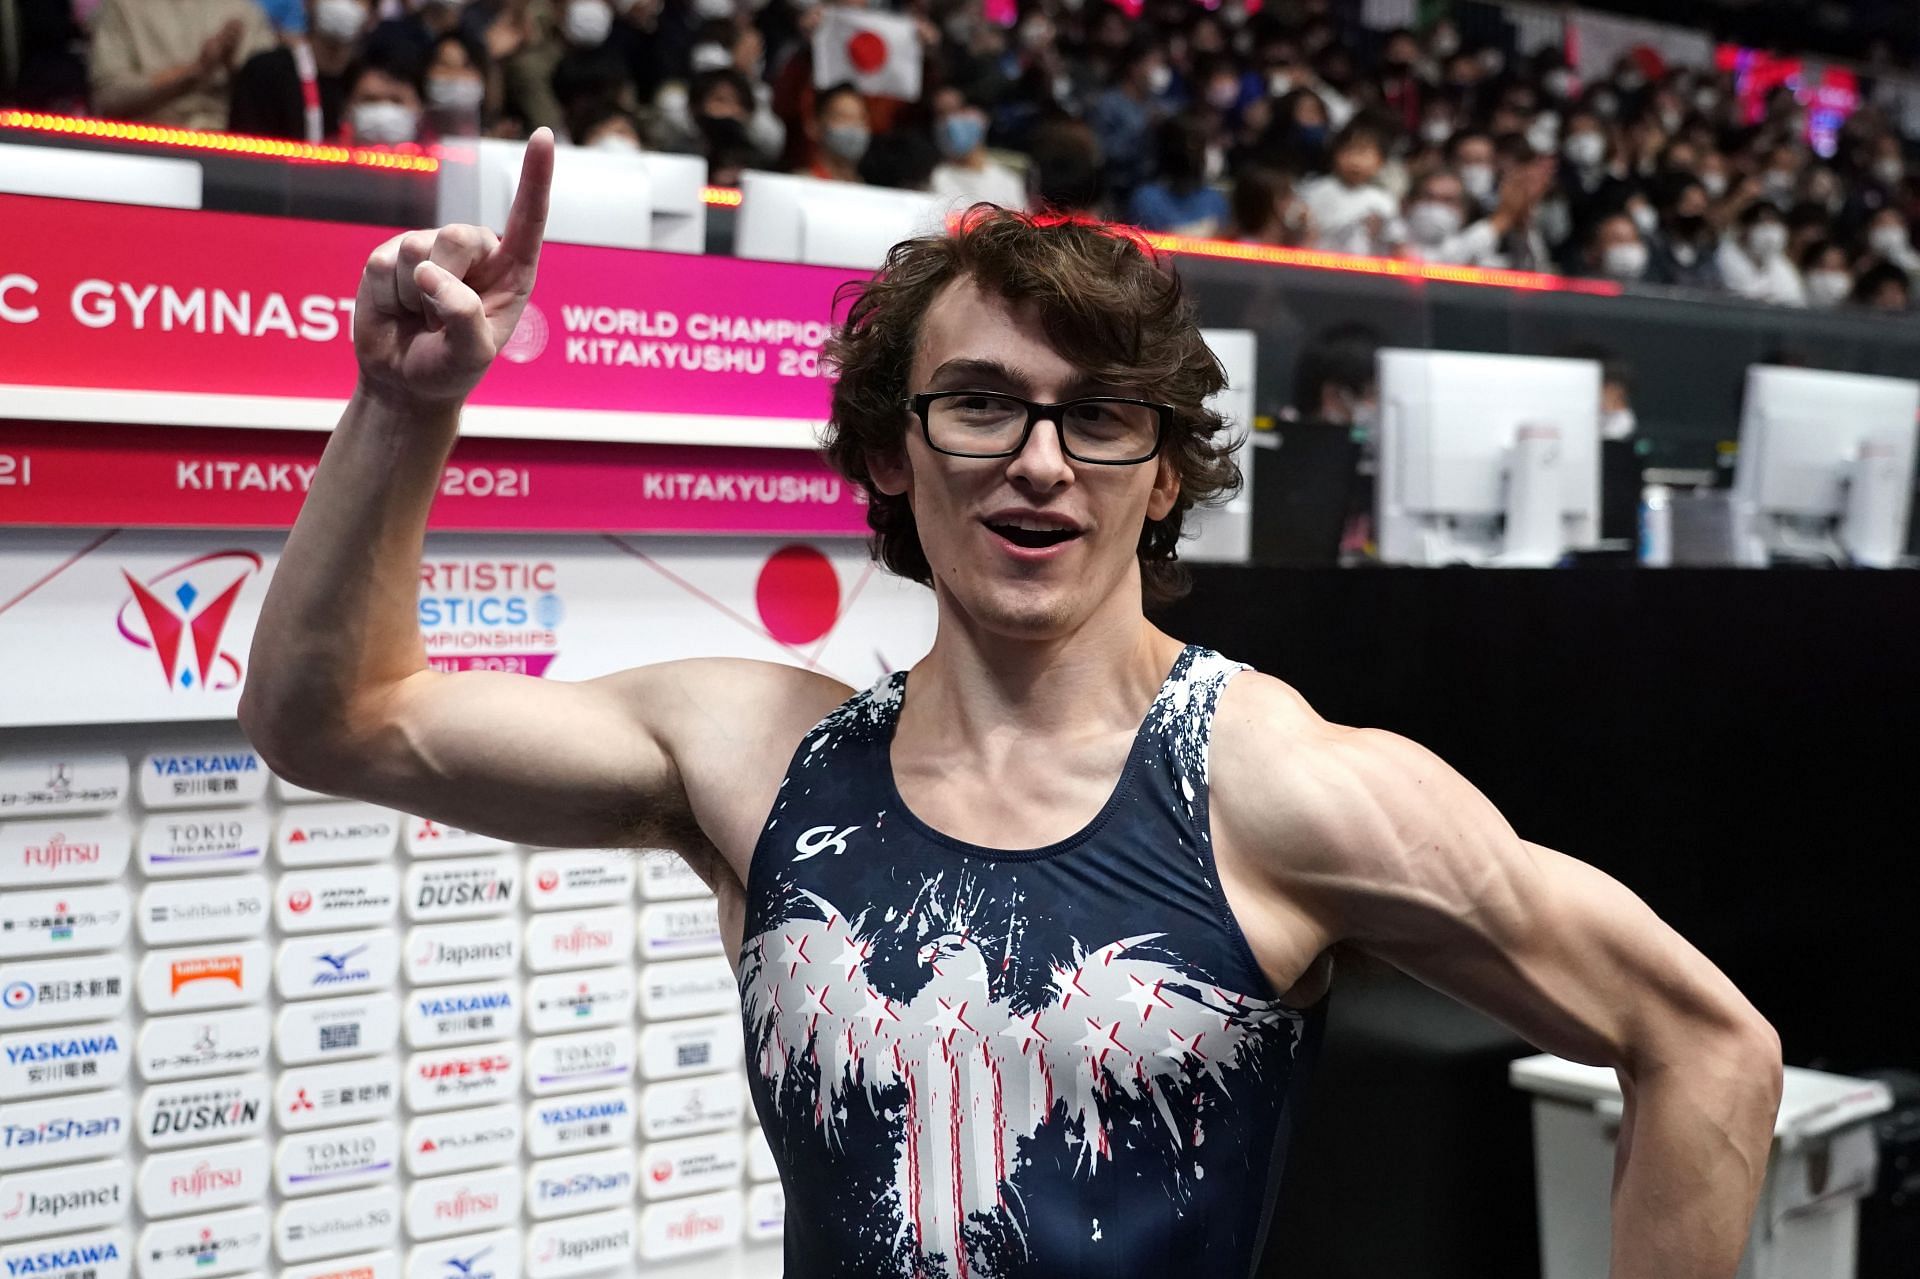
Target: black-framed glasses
[(1104, 430)]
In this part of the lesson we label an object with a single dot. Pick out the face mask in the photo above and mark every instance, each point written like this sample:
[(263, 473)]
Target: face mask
[(339, 20), (615, 142), (1444, 43), (847, 141), (1715, 182), (672, 100), (1558, 82), (1889, 171), (713, 10), (1279, 84), (1705, 100), (708, 57), (1431, 222), (1437, 131), (1216, 164), (1542, 134), (1670, 120), (959, 134), (383, 123), (1777, 184), (1889, 240), (1625, 261), (1644, 217), (1630, 81), (1159, 80), (1586, 150), (1768, 240), (588, 22), (1617, 424), (1605, 105), (1477, 179), (1828, 287), (1222, 95), (455, 94), (1311, 135)]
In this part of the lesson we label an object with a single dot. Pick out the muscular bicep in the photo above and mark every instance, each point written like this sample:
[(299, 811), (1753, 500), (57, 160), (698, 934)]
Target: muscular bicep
[(1406, 859)]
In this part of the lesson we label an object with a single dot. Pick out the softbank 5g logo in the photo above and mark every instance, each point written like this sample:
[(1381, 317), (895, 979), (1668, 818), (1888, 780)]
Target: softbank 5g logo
[(181, 614), (821, 839)]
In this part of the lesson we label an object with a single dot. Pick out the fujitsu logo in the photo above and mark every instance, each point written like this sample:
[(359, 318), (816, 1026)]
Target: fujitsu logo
[(696, 1225), (465, 1203), (58, 851), (204, 1178), (180, 613), (580, 940)]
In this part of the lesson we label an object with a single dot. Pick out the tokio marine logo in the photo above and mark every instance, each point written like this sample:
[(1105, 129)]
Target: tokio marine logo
[(181, 614)]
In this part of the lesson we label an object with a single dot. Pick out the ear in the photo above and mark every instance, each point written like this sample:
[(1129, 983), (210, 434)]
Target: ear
[(1166, 488), (892, 473)]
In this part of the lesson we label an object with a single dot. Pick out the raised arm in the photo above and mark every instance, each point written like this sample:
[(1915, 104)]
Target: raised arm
[(339, 694), (1385, 846)]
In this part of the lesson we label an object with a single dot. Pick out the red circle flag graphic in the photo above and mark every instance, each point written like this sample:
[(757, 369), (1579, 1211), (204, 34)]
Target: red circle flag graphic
[(866, 51), (798, 594)]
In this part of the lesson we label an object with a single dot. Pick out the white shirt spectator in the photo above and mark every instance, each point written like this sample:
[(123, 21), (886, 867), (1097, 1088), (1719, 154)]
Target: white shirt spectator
[(1480, 245), (1364, 219), (960, 185), (1772, 279)]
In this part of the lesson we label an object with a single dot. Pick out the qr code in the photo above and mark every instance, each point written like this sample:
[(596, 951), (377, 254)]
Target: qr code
[(337, 1037), (694, 1054)]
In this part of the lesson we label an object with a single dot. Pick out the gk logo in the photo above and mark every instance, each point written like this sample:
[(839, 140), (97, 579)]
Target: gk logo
[(819, 840)]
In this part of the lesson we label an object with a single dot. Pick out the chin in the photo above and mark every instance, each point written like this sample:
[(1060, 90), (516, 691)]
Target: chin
[(1031, 610)]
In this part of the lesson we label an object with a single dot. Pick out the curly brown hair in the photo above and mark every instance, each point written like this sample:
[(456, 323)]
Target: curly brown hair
[(1107, 303)]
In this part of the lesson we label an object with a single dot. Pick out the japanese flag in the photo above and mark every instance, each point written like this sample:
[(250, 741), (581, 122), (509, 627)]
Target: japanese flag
[(878, 52)]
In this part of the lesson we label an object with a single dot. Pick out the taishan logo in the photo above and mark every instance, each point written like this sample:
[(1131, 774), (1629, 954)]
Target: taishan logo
[(181, 614)]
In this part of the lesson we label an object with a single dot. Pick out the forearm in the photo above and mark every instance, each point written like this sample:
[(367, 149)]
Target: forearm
[(136, 95), (1692, 1155), (340, 623)]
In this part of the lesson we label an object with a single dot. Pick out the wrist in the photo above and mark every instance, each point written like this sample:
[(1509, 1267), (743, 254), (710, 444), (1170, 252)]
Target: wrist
[(406, 408)]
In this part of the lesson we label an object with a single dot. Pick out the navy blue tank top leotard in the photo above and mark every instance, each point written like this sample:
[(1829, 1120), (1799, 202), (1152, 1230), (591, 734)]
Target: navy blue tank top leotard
[(1060, 1061)]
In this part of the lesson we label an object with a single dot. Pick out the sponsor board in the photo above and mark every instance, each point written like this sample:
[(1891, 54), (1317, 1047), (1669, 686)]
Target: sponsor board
[(580, 1183), (336, 964), (684, 1107), (363, 1265), (92, 1254), (494, 1255), (579, 938), (680, 930), (62, 1059), (424, 837), (308, 901), (467, 1201), (462, 1139), (665, 876), (222, 1175), (462, 952), (218, 1243), (766, 1213), (682, 1227), (202, 1110), (341, 1092), (195, 910), (687, 988), (326, 834), (213, 1043), (68, 851), (336, 1028), (462, 889), (580, 1121), (56, 921), (579, 1000), (691, 1165), (572, 878), (182, 779), (354, 1221), (81, 1197), (601, 1241), (203, 843), (50, 785), (672, 1049), (760, 1164), (335, 1158), (216, 976), (470, 1076), (38, 992), (441, 1015), (586, 1059), (57, 1130)]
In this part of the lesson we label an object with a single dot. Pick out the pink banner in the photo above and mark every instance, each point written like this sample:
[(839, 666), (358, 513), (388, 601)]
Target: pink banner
[(109, 296), (88, 475)]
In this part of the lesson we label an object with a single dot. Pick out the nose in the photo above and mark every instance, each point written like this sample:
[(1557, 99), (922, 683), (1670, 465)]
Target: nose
[(1042, 464)]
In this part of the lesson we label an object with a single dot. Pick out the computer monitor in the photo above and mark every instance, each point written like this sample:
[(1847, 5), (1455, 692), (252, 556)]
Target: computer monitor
[(1486, 459), (784, 218), (1826, 467), (621, 200)]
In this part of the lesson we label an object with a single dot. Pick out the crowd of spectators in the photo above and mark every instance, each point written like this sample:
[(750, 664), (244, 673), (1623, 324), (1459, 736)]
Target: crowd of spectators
[(1292, 125)]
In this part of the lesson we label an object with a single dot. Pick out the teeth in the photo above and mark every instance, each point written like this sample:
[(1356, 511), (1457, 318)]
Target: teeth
[(1035, 526)]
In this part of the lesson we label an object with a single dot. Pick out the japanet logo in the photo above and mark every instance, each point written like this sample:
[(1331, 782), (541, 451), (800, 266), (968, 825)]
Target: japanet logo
[(181, 613)]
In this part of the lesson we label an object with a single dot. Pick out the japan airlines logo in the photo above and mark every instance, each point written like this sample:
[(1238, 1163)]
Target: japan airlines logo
[(191, 599)]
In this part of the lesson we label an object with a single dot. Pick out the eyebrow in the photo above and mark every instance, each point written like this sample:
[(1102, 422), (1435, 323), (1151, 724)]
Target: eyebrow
[(956, 373)]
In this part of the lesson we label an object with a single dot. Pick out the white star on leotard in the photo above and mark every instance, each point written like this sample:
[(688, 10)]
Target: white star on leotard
[(1025, 1031), (1103, 1039), (1145, 996), (879, 1008), (853, 954), (796, 953)]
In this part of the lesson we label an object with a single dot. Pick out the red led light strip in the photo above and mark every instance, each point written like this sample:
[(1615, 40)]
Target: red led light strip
[(409, 159)]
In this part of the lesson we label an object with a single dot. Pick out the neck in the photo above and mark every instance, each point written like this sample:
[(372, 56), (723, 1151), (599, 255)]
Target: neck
[(837, 167), (974, 159), (987, 693)]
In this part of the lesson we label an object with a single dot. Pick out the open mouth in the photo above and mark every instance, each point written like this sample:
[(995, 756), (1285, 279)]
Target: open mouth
[(1033, 539)]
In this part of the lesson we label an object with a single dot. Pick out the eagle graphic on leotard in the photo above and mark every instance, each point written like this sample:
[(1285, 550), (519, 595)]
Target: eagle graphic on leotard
[(1123, 1022)]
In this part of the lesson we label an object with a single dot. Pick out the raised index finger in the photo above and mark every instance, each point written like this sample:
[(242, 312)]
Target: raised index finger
[(527, 220)]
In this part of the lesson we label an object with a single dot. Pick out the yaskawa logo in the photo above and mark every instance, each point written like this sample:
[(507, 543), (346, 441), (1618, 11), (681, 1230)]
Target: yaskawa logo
[(459, 1005), (181, 614), (61, 1049), (170, 766), (576, 1113), (60, 1261)]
